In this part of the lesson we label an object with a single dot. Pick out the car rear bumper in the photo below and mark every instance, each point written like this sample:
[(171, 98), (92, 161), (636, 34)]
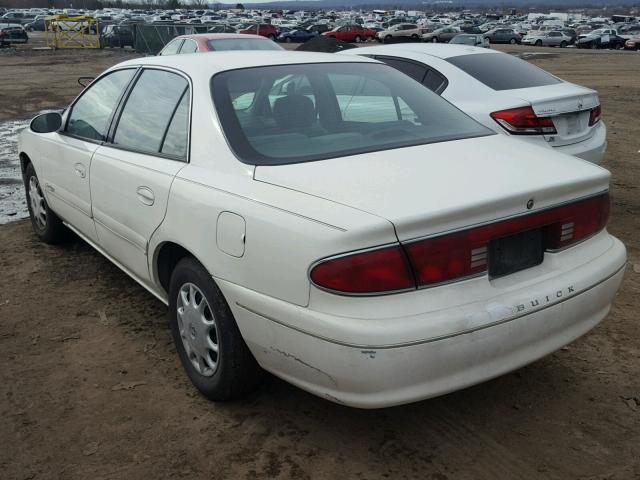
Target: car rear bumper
[(515, 329), (592, 149)]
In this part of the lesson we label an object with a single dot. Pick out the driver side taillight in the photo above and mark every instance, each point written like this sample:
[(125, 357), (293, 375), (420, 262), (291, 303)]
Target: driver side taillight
[(524, 121)]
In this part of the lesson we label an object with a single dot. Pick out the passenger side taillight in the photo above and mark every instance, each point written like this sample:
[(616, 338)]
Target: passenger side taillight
[(594, 115), (524, 121), (452, 257)]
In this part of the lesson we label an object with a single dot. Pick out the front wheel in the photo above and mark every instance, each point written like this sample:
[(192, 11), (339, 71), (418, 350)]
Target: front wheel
[(287, 40), (207, 338), (434, 39), (513, 41), (271, 36), (46, 224), (358, 39), (538, 43), (563, 44)]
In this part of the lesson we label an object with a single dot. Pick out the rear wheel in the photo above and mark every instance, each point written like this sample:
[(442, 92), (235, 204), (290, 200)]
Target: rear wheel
[(207, 338), (357, 39), (46, 224), (271, 36)]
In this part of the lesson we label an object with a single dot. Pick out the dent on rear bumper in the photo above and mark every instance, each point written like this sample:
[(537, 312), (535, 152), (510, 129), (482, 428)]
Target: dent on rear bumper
[(502, 335)]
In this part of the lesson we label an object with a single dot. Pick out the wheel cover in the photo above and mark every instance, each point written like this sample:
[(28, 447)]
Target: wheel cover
[(38, 205), (198, 329)]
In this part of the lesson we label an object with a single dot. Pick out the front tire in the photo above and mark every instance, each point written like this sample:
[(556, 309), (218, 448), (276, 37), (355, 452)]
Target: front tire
[(513, 41), (208, 341), (357, 39), (538, 43), (563, 44), (46, 224), (434, 40)]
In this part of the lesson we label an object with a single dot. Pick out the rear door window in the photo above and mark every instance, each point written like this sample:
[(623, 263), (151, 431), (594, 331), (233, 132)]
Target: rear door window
[(148, 114), (412, 69), (501, 71)]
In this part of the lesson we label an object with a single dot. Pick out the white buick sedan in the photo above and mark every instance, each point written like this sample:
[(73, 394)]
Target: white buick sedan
[(328, 219), (505, 93)]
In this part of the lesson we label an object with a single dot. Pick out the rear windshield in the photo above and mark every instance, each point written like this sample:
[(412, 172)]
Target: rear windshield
[(503, 71), (297, 113), (242, 44)]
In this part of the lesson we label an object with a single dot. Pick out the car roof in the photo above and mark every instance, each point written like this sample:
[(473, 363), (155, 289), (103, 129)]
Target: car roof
[(208, 63), (222, 36), (438, 50)]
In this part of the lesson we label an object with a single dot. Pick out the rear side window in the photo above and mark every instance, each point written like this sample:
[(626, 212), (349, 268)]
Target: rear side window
[(151, 107), (90, 115), (502, 71), (415, 71)]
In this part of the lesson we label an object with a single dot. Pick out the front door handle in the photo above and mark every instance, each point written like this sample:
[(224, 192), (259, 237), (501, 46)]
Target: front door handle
[(146, 196)]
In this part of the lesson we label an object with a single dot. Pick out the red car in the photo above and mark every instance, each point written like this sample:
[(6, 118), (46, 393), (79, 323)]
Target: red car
[(262, 29), (632, 44), (213, 42), (351, 33)]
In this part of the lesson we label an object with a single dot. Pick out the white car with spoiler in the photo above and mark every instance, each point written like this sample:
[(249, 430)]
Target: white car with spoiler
[(328, 219), (505, 93)]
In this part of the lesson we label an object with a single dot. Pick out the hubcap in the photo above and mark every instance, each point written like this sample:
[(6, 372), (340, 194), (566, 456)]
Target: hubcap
[(198, 329), (38, 206)]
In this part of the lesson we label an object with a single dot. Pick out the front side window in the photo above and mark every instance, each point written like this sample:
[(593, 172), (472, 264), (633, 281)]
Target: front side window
[(90, 115), (151, 107), (296, 113), (172, 47), (189, 46)]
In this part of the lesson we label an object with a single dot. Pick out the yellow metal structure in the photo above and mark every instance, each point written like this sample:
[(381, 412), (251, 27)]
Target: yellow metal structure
[(72, 32)]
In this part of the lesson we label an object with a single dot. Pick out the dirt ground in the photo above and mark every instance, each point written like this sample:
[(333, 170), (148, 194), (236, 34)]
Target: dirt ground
[(90, 386)]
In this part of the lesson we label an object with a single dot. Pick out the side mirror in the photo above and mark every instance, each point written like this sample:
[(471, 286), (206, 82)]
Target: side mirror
[(46, 123)]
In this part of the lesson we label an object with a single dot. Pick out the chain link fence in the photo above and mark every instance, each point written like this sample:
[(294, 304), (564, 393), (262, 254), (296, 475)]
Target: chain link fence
[(149, 39)]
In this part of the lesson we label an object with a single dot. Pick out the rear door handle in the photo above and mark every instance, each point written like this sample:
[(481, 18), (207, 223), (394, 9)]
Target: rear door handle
[(146, 196), (80, 170)]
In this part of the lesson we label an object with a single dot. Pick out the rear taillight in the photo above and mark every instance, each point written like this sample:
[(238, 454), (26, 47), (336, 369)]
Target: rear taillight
[(524, 121), (458, 255), (594, 115), (377, 271)]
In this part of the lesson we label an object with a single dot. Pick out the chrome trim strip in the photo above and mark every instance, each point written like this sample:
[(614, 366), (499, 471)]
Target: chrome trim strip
[(432, 339), (131, 242)]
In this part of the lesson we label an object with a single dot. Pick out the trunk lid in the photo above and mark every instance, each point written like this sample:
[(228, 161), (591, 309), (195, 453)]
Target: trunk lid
[(569, 107), (431, 189)]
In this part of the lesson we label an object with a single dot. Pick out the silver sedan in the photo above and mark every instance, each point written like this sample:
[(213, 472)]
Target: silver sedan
[(547, 39)]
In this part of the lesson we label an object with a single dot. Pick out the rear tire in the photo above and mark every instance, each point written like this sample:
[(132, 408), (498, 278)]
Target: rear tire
[(46, 224), (200, 318), (357, 39)]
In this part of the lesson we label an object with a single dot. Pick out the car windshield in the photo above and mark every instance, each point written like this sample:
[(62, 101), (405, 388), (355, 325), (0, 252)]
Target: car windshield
[(297, 113), (242, 44), (501, 71)]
